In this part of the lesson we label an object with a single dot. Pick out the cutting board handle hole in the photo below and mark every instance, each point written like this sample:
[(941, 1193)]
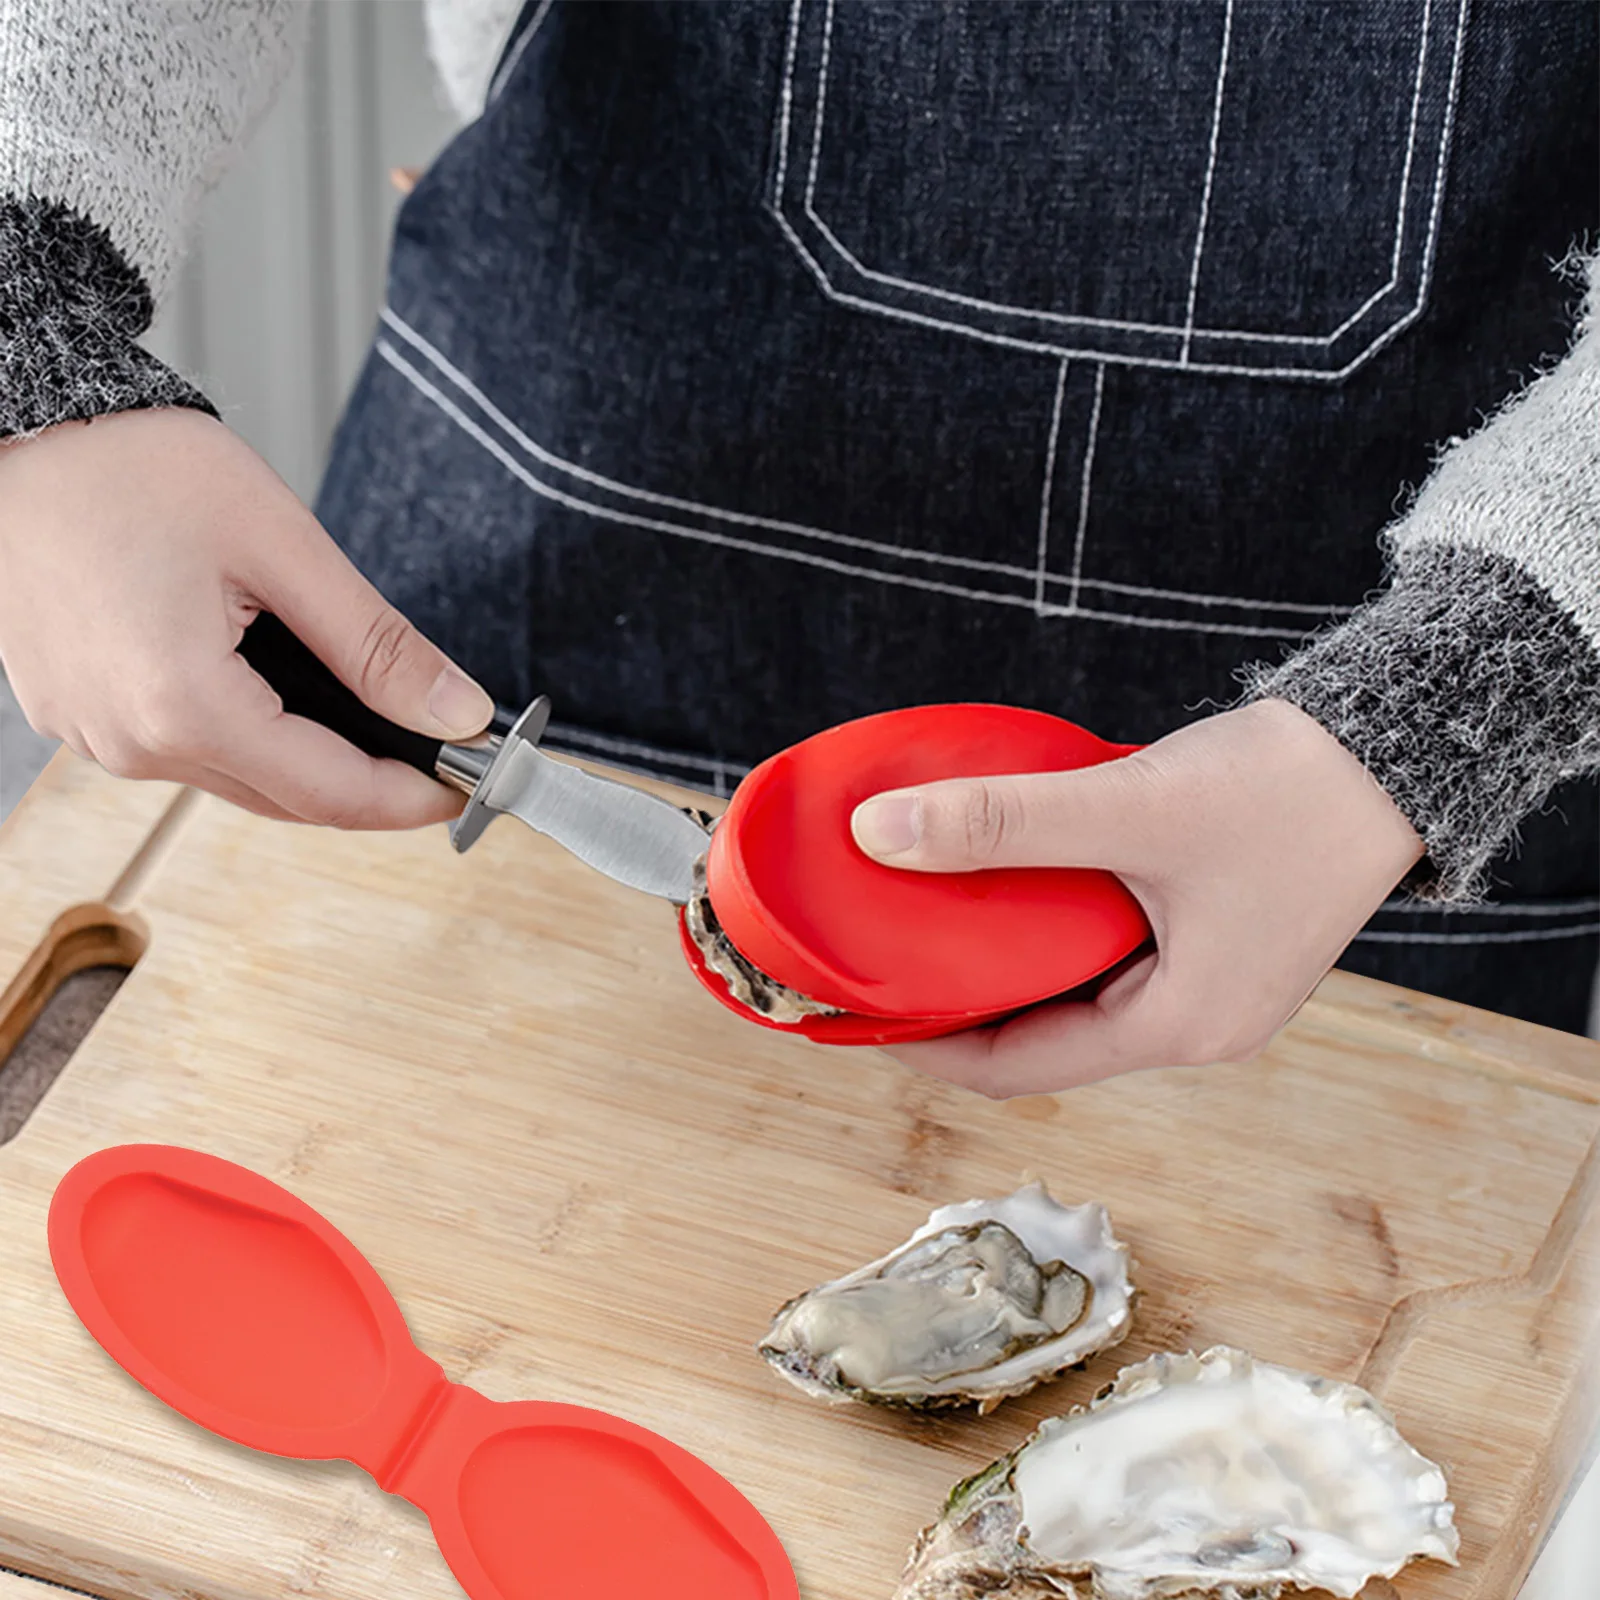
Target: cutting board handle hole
[(48, 1009)]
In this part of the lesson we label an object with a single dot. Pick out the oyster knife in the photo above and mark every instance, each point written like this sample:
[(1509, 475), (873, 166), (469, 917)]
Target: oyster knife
[(630, 835)]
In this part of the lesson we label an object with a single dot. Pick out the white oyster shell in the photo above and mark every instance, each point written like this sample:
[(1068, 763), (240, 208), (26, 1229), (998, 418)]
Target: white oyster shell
[(1212, 1475), (964, 1311)]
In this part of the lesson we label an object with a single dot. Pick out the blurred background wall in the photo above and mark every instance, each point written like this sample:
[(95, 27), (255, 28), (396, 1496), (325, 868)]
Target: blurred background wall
[(274, 310), (276, 306)]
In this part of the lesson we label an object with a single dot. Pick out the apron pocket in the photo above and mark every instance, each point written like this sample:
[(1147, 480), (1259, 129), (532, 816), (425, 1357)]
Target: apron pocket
[(1239, 187)]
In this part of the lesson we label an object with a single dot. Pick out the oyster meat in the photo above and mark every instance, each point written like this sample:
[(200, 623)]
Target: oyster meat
[(985, 1300), (1212, 1475), (746, 982)]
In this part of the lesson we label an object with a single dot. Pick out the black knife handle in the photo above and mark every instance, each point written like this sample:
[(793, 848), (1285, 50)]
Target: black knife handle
[(310, 689)]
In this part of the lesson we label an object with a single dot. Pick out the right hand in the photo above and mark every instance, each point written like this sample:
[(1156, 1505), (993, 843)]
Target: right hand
[(134, 551)]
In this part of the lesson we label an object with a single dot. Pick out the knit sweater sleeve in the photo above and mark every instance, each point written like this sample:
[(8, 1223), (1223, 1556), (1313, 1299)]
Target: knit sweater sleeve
[(1471, 687), (114, 118)]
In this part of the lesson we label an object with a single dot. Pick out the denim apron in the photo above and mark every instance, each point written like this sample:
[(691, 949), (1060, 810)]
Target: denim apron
[(747, 367)]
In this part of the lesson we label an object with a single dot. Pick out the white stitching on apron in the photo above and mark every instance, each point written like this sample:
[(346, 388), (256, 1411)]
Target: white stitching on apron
[(458, 380), (844, 568), (1041, 576), (1211, 169), (1183, 362)]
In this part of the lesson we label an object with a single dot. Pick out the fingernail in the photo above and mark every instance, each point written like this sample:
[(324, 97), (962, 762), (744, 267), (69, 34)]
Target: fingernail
[(888, 825), (458, 706)]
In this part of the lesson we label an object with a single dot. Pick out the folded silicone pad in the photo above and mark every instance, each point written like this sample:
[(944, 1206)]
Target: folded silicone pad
[(246, 1311), (906, 955)]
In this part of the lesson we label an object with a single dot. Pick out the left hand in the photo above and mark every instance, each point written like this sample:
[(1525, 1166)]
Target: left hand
[(1257, 845)]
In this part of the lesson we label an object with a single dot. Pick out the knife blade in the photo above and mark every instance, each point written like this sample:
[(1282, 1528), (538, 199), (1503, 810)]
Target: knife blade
[(630, 835)]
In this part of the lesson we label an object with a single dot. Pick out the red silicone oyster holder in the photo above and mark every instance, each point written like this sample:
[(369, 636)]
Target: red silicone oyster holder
[(906, 955), (242, 1308)]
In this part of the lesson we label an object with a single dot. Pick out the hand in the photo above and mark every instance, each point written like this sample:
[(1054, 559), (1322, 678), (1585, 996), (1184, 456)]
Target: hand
[(1257, 845), (134, 551)]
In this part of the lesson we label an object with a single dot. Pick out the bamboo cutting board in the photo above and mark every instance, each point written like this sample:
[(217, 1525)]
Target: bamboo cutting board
[(585, 1181)]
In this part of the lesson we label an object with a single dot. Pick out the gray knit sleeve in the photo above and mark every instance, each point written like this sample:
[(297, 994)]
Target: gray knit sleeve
[(1471, 687), (71, 311), (116, 118)]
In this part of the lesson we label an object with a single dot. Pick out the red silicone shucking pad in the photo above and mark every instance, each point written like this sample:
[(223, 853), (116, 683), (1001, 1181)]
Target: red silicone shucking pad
[(246, 1311), (906, 955)]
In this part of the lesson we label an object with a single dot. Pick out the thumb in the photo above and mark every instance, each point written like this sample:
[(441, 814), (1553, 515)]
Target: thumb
[(316, 590), (1091, 817)]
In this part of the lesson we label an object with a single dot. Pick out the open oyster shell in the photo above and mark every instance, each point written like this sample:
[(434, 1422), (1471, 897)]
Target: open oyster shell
[(986, 1299), (746, 982), (1212, 1475)]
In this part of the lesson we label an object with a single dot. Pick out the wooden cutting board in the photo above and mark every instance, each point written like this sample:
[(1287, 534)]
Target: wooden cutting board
[(585, 1181)]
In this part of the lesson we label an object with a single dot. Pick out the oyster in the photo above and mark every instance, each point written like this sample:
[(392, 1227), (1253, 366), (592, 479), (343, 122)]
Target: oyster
[(1212, 1475), (985, 1300), (746, 982)]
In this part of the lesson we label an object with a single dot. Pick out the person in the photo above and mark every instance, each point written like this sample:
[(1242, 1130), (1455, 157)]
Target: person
[(749, 367)]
